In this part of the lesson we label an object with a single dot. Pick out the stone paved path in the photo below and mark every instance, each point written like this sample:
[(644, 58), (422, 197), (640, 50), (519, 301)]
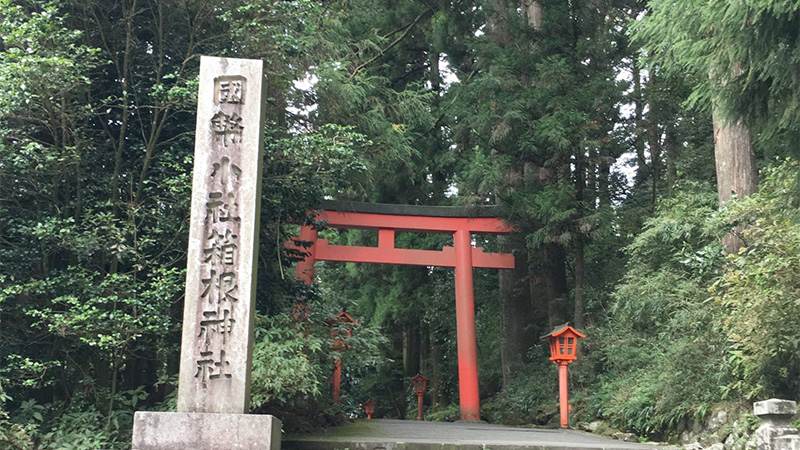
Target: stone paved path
[(412, 435)]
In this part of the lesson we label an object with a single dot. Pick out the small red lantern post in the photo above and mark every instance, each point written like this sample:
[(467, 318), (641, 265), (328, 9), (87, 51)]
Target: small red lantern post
[(563, 350), (420, 386), (339, 346), (369, 408)]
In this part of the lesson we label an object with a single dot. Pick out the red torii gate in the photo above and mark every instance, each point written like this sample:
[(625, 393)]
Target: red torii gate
[(388, 219)]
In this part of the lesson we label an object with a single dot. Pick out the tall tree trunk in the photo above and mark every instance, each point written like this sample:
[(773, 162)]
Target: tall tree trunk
[(436, 382), (534, 14), (123, 73), (516, 315), (497, 23), (516, 309), (654, 132), (638, 110), (553, 267), (735, 163), (591, 176), (580, 185), (736, 168), (603, 175), (410, 350), (580, 268), (672, 154), (554, 259), (425, 350)]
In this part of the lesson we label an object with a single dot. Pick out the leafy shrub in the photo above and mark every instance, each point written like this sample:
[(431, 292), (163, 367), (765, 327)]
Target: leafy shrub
[(661, 353), (761, 287), (286, 362), (529, 399)]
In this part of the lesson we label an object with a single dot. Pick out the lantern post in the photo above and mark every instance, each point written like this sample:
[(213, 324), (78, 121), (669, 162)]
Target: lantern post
[(338, 336), (420, 386), (369, 408), (563, 350)]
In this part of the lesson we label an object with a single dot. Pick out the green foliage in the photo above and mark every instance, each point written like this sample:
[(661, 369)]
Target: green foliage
[(286, 362), (661, 353), (450, 413), (293, 361), (14, 434), (95, 178), (529, 399), (96, 126), (106, 315), (761, 285), (688, 327), (740, 55)]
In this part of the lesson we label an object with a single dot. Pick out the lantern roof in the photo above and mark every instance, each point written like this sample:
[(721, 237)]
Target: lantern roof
[(563, 329), (418, 377), (342, 317), (346, 318)]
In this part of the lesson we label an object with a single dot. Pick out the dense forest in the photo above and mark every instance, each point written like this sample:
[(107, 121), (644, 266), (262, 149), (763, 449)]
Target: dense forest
[(644, 150)]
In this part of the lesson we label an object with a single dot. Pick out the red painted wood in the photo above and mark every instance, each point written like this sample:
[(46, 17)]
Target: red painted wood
[(337, 382), (563, 394), (467, 342), (305, 267), (434, 258), (386, 238), (336, 219), (462, 256)]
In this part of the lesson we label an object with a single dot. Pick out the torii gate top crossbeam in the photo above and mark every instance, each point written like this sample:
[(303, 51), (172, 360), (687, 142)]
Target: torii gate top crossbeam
[(390, 218), (426, 219)]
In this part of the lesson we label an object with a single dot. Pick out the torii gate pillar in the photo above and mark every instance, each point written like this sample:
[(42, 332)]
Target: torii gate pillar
[(462, 256), (465, 329)]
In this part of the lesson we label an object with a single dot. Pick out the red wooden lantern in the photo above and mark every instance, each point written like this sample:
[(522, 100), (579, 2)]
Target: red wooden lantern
[(338, 333), (420, 386), (338, 336), (563, 350), (564, 344), (369, 408)]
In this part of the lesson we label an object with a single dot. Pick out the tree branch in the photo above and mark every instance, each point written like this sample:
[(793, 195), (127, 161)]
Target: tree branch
[(407, 30)]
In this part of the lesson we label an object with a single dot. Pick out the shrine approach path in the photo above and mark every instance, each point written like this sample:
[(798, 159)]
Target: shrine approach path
[(412, 435)]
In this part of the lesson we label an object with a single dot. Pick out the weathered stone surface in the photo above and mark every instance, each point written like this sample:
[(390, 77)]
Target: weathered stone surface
[(767, 433), (737, 439), (791, 442), (216, 347), (205, 431), (717, 446), (751, 443), (716, 429), (717, 420), (630, 437), (775, 414), (686, 438), (708, 440), (775, 406), (594, 426)]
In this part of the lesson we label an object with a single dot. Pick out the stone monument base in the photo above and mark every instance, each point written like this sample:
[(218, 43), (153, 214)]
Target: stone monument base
[(205, 431)]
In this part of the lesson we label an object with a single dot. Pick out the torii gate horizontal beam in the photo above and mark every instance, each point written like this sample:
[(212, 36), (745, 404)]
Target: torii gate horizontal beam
[(425, 224), (391, 255)]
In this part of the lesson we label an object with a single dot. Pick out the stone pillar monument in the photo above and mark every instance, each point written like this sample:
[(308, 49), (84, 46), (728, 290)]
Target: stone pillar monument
[(219, 306), (776, 431)]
